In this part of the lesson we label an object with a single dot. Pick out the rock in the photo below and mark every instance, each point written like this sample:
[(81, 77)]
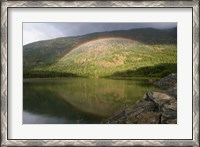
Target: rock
[(171, 121), (148, 118), (158, 98), (146, 106), (116, 119), (132, 111), (156, 106), (173, 91), (168, 116), (167, 82), (170, 106)]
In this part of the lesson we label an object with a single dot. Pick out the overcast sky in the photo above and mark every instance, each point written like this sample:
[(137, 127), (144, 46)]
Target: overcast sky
[(43, 31)]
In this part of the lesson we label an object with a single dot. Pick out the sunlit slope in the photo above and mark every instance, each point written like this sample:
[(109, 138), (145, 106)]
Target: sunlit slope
[(91, 55), (105, 57)]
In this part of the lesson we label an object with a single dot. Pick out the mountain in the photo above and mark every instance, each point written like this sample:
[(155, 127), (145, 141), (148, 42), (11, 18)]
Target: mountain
[(101, 53)]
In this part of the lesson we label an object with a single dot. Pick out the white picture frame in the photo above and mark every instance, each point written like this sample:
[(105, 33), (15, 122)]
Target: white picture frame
[(5, 81)]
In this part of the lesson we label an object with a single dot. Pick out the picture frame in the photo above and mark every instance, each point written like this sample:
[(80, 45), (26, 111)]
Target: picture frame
[(6, 5)]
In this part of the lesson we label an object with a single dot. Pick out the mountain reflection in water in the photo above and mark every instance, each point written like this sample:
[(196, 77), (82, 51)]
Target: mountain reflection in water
[(78, 100)]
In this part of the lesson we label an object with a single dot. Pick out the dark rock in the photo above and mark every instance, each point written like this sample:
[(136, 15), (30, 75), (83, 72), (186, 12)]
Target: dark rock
[(173, 91), (171, 121), (168, 81), (146, 105), (116, 119), (156, 106), (167, 116), (148, 118), (132, 111)]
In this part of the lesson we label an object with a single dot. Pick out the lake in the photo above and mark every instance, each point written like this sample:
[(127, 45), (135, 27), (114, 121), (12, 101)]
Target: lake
[(78, 100)]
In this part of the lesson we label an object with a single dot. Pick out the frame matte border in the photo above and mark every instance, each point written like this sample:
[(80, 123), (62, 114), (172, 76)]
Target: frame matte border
[(5, 5)]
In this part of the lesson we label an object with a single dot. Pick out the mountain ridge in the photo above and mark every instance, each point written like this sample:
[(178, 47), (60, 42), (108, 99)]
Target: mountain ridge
[(113, 31), (44, 54)]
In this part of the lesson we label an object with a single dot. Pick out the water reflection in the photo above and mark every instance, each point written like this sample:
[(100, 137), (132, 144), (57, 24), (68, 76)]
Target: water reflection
[(31, 118), (78, 100)]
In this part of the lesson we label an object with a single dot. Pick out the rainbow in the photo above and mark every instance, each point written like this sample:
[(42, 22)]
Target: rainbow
[(103, 38)]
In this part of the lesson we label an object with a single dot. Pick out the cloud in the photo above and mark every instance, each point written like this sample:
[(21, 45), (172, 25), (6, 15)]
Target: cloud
[(43, 31), (39, 31)]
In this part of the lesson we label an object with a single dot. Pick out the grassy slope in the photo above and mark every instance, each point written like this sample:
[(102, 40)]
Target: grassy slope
[(106, 58), (118, 58)]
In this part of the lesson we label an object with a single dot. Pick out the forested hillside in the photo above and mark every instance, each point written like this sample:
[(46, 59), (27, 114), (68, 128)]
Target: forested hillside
[(145, 52)]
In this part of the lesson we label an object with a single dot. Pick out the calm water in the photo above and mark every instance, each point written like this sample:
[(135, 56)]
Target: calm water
[(78, 100)]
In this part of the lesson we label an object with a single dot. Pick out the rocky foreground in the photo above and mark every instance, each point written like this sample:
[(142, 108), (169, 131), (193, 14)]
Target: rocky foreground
[(156, 107)]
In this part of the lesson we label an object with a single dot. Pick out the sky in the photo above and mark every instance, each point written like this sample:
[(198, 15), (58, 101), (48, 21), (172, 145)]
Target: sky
[(33, 32)]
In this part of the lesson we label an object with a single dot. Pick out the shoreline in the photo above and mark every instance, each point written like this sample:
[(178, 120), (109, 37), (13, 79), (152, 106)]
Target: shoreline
[(151, 79), (156, 107)]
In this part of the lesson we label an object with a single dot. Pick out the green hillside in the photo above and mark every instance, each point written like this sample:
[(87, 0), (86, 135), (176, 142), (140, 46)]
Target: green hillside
[(106, 54)]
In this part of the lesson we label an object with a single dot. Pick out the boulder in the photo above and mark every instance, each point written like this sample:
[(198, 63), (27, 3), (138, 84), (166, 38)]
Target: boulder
[(145, 105), (170, 106), (148, 118), (168, 116), (168, 81), (159, 98), (131, 112), (173, 91), (171, 121), (156, 107)]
